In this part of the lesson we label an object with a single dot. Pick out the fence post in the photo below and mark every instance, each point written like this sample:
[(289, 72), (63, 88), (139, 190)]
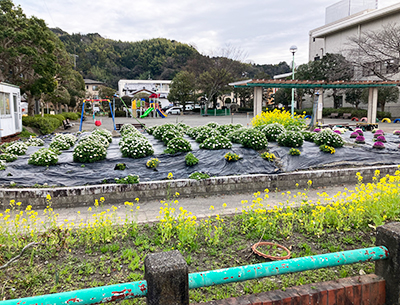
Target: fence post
[(388, 235), (166, 274)]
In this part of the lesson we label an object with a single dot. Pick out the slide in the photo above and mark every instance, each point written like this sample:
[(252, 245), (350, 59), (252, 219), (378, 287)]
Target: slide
[(147, 112), (161, 113)]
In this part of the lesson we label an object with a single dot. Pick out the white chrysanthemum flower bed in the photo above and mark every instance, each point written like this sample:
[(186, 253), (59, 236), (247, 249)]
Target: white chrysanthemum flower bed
[(8, 157), (34, 142), (105, 133), (60, 144), (136, 147), (18, 148), (43, 157), (291, 139), (69, 138), (253, 138), (328, 137), (90, 150), (216, 142), (272, 131), (234, 135), (205, 133), (127, 129), (96, 138), (162, 129), (2, 165), (179, 145), (171, 134)]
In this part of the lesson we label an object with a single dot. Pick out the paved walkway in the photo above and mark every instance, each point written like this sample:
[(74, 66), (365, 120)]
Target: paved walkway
[(199, 206)]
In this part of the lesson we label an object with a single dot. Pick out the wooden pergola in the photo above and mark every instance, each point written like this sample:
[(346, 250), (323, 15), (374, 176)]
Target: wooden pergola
[(259, 84)]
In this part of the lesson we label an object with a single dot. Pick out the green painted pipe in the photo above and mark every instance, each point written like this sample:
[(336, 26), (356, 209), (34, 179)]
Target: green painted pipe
[(249, 272), (208, 278), (95, 295)]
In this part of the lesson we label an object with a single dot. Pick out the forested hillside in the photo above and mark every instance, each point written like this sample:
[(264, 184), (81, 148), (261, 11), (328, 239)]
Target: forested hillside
[(109, 60)]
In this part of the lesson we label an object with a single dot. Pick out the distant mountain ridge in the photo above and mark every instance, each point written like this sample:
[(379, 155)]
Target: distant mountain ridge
[(110, 60)]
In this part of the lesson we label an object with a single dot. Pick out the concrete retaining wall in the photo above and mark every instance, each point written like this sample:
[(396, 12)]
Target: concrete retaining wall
[(64, 197)]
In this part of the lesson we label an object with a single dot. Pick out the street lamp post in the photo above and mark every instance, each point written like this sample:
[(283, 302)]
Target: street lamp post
[(293, 49)]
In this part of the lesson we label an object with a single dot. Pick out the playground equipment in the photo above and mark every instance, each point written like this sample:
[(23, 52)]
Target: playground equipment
[(307, 116), (354, 119), (96, 100), (396, 121), (386, 120), (364, 119), (147, 112)]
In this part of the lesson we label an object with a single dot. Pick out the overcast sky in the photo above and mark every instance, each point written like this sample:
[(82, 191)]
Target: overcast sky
[(263, 29)]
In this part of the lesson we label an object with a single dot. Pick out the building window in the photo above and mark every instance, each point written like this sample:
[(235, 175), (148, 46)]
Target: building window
[(87, 87), (388, 66), (4, 103), (95, 87)]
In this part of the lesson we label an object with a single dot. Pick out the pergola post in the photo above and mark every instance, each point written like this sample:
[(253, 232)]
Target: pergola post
[(258, 92), (372, 104)]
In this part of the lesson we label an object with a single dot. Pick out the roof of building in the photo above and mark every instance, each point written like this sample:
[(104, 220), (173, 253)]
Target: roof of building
[(271, 83), (354, 20), (92, 82)]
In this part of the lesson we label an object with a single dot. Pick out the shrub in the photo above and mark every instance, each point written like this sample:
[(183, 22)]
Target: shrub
[(152, 163), (34, 142), (192, 132), (294, 152), (212, 125), (120, 166), (231, 157), (317, 130), (179, 145), (291, 139), (136, 147), (234, 135), (46, 125), (160, 130), (127, 128), (360, 140), (359, 131), (171, 134), (191, 160), (69, 138), (216, 142), (308, 135), (43, 157), (327, 149), (71, 115), (8, 157), (378, 145), (272, 131), (3, 165), (205, 133), (294, 128), (105, 133), (151, 129), (328, 137), (396, 132), (89, 151), (96, 138), (182, 126), (17, 148), (225, 129), (254, 139), (60, 144), (380, 139), (130, 179), (354, 135), (199, 176), (278, 116), (268, 156), (377, 134)]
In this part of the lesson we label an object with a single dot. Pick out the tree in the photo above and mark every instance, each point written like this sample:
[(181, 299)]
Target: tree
[(183, 88), (220, 71), (385, 95), (353, 96), (332, 67), (27, 56), (106, 92), (376, 52), (283, 96)]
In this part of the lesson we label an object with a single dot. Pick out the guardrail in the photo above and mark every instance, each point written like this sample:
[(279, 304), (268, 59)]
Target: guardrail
[(159, 265)]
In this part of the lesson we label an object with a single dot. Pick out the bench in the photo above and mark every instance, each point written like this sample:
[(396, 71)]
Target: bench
[(346, 115), (66, 124), (136, 125), (333, 115)]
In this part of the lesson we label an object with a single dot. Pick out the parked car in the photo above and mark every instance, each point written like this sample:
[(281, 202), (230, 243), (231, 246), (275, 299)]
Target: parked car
[(174, 110)]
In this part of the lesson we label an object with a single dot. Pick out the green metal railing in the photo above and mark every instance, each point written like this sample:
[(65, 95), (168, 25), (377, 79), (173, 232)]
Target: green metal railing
[(209, 278)]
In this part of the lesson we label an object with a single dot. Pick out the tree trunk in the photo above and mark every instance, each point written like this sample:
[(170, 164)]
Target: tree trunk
[(31, 104), (383, 106)]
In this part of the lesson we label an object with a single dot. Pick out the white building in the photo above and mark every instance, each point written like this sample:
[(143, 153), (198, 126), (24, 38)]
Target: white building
[(333, 37), (134, 86), (10, 110)]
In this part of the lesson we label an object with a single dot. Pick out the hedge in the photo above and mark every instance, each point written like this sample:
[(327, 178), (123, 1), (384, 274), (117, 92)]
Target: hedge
[(46, 124)]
